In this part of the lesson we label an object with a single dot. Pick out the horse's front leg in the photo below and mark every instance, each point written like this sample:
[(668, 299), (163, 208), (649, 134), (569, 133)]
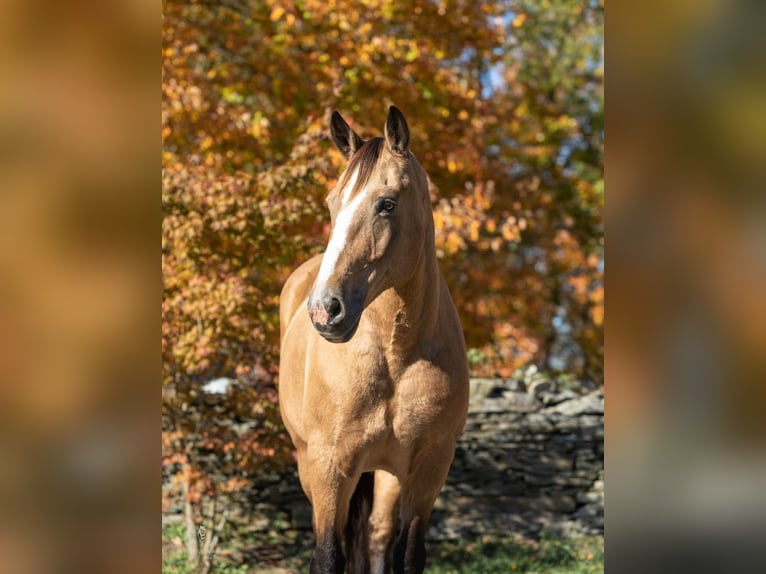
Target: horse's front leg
[(330, 490), (419, 492), (383, 521)]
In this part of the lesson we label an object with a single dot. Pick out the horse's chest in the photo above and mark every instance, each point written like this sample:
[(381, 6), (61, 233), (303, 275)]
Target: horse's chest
[(427, 401), (368, 400)]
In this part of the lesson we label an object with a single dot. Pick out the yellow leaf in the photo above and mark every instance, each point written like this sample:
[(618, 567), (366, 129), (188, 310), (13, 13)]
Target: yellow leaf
[(510, 231), (276, 13), (597, 313), (473, 230), (519, 20)]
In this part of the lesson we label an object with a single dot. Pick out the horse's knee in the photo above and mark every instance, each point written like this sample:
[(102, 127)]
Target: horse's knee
[(380, 536), (328, 556), (380, 542), (410, 548), (382, 527)]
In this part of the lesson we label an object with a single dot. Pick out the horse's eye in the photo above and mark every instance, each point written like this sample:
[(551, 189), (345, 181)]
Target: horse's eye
[(385, 205)]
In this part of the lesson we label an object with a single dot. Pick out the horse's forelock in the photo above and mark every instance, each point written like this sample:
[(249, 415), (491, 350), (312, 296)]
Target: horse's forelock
[(363, 165)]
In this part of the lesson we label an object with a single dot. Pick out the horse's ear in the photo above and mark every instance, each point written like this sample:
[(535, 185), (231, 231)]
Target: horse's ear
[(397, 132), (345, 139)]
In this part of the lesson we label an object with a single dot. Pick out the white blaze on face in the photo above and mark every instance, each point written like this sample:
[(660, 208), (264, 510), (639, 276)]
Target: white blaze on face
[(349, 187), (340, 231)]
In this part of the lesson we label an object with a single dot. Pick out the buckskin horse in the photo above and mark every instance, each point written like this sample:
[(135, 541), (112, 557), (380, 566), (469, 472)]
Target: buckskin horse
[(373, 383)]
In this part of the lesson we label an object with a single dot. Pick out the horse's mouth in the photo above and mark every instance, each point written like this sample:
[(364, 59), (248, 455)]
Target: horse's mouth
[(343, 337)]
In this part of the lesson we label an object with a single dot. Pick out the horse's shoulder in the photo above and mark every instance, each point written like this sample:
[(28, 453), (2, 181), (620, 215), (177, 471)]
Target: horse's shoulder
[(305, 273), (296, 290)]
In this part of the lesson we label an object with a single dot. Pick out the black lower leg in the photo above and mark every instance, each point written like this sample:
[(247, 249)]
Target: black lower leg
[(358, 525), (328, 556), (410, 549)]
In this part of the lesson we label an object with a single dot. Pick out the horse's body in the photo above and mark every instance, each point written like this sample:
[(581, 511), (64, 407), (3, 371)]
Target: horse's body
[(373, 375)]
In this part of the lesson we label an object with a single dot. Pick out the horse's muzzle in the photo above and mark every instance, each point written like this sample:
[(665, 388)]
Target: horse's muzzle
[(333, 318)]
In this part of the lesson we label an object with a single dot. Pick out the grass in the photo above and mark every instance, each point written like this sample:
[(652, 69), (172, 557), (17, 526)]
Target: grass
[(487, 555), (549, 555), (175, 560)]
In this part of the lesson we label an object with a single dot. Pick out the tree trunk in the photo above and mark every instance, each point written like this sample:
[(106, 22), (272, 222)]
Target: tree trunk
[(192, 549)]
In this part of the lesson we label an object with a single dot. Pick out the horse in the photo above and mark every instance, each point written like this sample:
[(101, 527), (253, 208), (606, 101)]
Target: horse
[(373, 376)]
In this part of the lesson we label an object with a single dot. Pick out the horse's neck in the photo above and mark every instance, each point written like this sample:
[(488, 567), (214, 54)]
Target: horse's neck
[(410, 312)]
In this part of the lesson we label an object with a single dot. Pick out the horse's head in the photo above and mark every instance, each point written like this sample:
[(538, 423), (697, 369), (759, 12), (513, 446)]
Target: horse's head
[(381, 219)]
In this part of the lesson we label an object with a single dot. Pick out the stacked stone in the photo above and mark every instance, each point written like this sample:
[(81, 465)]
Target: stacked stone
[(530, 459)]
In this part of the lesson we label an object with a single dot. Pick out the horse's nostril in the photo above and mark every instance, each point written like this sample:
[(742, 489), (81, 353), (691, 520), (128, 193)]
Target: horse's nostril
[(334, 309)]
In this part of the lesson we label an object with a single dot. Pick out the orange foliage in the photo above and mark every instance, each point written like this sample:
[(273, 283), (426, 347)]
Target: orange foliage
[(509, 131)]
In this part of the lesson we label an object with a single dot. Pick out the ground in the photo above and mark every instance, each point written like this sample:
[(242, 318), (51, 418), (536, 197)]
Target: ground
[(487, 555)]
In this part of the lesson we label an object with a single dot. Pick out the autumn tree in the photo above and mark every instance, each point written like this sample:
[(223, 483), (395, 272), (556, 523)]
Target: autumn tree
[(524, 242)]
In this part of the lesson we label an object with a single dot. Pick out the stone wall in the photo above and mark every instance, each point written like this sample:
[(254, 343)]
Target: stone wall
[(529, 459)]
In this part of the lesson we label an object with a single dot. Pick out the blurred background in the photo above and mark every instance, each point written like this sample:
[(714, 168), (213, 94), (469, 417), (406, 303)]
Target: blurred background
[(505, 105), (686, 352)]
